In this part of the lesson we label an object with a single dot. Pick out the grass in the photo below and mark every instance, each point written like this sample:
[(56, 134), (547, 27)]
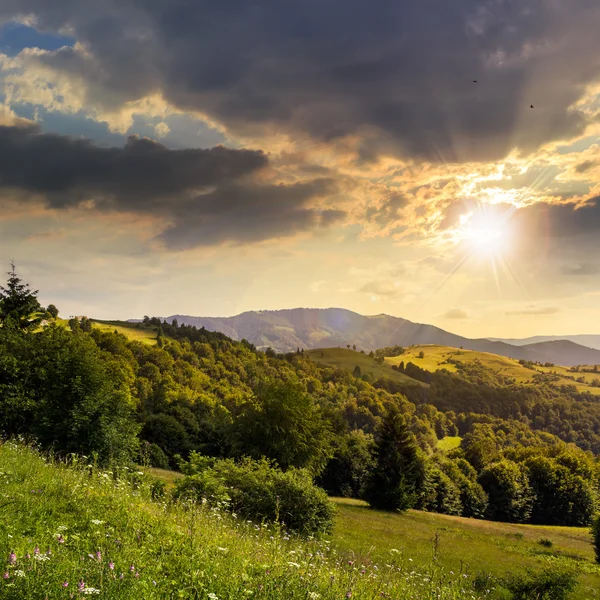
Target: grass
[(449, 443), (465, 544), (342, 358), (69, 531), (435, 358), (134, 331)]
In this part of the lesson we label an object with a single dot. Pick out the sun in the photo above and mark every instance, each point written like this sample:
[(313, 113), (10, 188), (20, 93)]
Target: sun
[(485, 235)]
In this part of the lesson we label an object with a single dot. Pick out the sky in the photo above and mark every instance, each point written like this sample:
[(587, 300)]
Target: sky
[(433, 160)]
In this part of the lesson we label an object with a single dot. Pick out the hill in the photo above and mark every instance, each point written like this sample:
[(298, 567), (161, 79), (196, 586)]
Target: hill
[(436, 358), (591, 341), (82, 531), (312, 328), (343, 358)]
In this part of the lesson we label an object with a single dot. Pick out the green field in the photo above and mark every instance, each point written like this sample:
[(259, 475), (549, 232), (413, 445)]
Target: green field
[(465, 544), (342, 358), (134, 331), (436, 357), (450, 442)]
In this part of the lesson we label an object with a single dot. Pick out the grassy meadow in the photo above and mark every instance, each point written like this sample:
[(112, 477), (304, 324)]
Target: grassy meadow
[(435, 358), (343, 358), (465, 545), (74, 531), (134, 331)]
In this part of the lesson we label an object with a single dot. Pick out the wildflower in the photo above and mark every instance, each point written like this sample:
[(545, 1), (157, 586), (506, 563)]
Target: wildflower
[(36, 550), (81, 585), (65, 584), (97, 522), (111, 565), (20, 573), (213, 596), (293, 564), (313, 595), (99, 555), (12, 559), (88, 591), (60, 539), (348, 594), (121, 576), (28, 556), (5, 575), (137, 575)]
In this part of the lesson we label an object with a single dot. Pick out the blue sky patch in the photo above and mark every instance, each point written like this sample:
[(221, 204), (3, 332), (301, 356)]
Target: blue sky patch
[(14, 37)]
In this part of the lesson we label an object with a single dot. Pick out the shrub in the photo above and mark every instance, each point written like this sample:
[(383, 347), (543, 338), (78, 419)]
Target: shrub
[(546, 543), (259, 491), (596, 537), (548, 584)]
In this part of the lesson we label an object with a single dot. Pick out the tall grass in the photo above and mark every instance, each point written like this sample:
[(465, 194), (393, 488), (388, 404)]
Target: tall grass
[(69, 531)]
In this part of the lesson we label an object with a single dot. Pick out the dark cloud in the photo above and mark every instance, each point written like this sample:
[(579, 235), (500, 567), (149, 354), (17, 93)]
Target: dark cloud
[(456, 313), (585, 166), (399, 74), (204, 196)]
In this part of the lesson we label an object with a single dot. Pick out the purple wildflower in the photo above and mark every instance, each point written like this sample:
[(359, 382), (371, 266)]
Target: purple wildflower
[(61, 539), (111, 565), (5, 575), (121, 576), (99, 555), (131, 569), (12, 558), (81, 585), (36, 550), (65, 584)]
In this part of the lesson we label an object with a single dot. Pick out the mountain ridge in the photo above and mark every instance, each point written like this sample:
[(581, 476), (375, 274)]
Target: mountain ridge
[(311, 328)]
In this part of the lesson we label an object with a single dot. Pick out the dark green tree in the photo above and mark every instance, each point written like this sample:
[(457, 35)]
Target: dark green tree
[(510, 495), (283, 423), (356, 372), (398, 475), (52, 310), (19, 303)]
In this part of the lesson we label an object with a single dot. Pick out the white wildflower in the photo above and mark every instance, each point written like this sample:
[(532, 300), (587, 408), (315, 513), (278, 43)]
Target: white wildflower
[(97, 522), (293, 564), (90, 591), (20, 573), (213, 596), (313, 595)]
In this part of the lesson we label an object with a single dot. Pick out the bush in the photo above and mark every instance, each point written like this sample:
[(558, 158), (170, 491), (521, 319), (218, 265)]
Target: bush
[(596, 536), (546, 543), (548, 584), (259, 491)]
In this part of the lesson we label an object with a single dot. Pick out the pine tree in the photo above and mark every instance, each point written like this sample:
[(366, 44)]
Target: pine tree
[(18, 302), (397, 478)]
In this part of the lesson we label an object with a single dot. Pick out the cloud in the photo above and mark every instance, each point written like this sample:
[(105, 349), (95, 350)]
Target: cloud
[(534, 310), (381, 288), (581, 269), (392, 75), (456, 313), (203, 196)]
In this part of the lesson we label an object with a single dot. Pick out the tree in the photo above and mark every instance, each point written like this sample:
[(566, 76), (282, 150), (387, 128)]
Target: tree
[(52, 310), (357, 371), (18, 302), (86, 325), (596, 537), (398, 475), (284, 423), (510, 495)]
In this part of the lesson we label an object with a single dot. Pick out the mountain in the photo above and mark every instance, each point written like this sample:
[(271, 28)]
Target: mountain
[(309, 328), (591, 341)]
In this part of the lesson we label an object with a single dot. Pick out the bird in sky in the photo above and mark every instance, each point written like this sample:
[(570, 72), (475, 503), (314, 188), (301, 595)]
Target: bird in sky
[(531, 106)]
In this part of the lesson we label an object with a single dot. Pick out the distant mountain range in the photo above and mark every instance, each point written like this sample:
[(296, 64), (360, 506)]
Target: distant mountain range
[(308, 328), (591, 341)]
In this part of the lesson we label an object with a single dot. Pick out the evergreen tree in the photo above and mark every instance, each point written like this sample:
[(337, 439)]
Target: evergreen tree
[(398, 475), (18, 302), (357, 371)]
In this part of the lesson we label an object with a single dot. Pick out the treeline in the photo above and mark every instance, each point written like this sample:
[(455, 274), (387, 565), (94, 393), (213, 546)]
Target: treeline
[(98, 393), (562, 410)]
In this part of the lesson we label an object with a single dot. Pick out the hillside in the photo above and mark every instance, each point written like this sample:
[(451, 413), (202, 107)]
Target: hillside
[(308, 328), (591, 341), (343, 358), (437, 357), (102, 535)]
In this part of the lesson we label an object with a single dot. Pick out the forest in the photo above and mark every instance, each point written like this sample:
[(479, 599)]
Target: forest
[(200, 398)]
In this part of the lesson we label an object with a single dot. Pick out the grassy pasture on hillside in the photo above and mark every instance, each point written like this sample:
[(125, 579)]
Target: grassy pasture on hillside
[(70, 532), (435, 358), (134, 331), (342, 358), (471, 545)]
